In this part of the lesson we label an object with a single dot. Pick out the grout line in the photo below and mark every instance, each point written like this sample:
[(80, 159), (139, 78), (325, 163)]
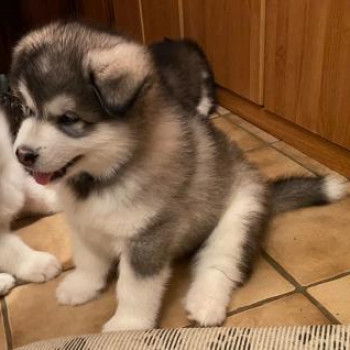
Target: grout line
[(323, 309), (248, 131), (300, 289), (330, 279), (223, 116), (6, 322), (253, 149), (252, 306), (258, 303), (295, 160), (244, 129), (306, 166), (281, 270)]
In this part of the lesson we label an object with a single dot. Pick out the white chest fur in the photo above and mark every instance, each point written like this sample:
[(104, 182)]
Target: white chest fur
[(109, 213)]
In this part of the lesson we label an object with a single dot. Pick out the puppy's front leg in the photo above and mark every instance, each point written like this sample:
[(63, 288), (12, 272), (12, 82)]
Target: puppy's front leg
[(19, 260), (139, 296), (89, 277), (6, 283)]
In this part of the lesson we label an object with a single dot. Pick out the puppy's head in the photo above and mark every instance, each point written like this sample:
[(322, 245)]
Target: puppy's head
[(79, 87)]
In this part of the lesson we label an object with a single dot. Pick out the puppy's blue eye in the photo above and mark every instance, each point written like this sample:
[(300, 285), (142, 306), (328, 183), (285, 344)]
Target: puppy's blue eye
[(67, 119)]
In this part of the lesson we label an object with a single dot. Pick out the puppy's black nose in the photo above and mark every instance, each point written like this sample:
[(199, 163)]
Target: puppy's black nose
[(26, 155)]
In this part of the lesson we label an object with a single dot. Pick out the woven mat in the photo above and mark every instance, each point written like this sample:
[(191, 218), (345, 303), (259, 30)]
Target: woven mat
[(285, 338)]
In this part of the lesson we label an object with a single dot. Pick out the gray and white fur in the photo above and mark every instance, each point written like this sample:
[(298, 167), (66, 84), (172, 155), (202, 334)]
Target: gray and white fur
[(140, 179)]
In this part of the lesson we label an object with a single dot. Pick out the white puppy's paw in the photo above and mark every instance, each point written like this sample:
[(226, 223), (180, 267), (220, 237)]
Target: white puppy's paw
[(38, 267), (204, 310), (7, 282), (132, 322), (78, 288)]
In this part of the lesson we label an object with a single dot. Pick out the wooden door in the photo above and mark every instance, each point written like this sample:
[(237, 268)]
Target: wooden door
[(94, 11), (307, 76), (231, 32), (160, 19), (19, 16), (127, 17)]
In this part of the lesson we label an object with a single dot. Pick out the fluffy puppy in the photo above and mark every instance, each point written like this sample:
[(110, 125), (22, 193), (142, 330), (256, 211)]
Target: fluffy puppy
[(140, 179)]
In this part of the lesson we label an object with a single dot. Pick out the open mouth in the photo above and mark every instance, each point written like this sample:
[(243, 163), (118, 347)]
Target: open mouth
[(45, 178)]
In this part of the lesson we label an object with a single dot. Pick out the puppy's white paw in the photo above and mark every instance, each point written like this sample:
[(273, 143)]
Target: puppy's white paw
[(6, 283), (132, 322), (78, 288), (39, 267), (204, 309)]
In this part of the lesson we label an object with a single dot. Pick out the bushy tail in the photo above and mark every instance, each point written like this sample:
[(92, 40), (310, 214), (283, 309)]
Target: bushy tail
[(302, 191)]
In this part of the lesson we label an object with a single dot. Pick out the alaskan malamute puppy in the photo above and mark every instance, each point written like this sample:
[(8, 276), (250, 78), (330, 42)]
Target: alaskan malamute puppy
[(140, 179), (18, 192)]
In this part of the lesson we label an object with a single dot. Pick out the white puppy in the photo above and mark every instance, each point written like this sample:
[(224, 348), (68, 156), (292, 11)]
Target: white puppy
[(19, 193)]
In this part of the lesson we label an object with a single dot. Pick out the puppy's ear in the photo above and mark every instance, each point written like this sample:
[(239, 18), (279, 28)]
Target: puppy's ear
[(118, 75)]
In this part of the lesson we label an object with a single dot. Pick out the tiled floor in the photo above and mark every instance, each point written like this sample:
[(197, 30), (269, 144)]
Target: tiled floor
[(302, 276)]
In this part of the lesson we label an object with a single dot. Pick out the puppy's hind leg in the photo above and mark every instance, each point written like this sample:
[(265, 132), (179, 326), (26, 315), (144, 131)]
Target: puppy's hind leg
[(224, 261)]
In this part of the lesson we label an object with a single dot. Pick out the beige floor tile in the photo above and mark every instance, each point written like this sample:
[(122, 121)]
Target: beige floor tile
[(265, 283), (312, 244), (3, 345), (273, 164), (37, 303), (244, 139), (173, 314), (252, 128), (334, 296), (49, 234), (303, 159), (222, 111), (35, 315), (287, 311)]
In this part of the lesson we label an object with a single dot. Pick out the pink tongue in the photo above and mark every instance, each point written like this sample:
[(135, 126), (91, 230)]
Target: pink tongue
[(42, 178)]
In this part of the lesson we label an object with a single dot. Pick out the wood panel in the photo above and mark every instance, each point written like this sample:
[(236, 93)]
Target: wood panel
[(34, 13), (10, 31), (307, 65), (19, 16), (328, 153), (160, 19), (231, 33), (94, 11), (127, 17)]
